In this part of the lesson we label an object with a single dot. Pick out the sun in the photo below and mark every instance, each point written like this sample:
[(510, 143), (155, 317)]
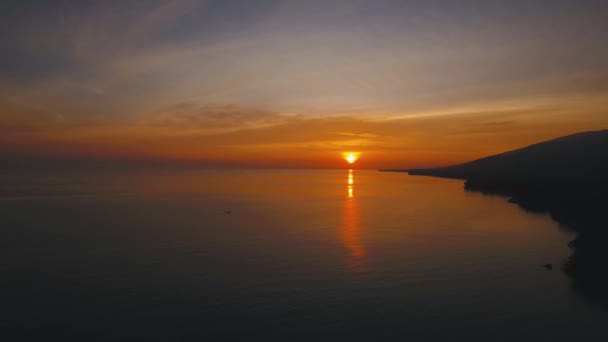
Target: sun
[(350, 157)]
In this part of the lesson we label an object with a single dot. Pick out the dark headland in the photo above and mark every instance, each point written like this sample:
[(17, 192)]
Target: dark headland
[(566, 177)]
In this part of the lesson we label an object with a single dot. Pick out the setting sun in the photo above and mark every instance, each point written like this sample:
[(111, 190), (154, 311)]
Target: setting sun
[(350, 157)]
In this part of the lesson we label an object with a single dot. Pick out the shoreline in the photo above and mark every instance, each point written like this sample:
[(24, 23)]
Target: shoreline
[(577, 205)]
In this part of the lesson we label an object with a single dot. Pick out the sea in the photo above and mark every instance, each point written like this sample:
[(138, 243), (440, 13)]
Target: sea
[(279, 255)]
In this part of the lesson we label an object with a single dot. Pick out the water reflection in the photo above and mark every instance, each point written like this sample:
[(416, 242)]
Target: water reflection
[(350, 232)]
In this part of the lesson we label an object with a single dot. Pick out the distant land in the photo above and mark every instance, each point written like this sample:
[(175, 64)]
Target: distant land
[(566, 177)]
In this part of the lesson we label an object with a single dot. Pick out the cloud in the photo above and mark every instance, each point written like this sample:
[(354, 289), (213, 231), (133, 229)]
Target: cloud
[(213, 118), (212, 78), (16, 114), (121, 59), (233, 134), (359, 135)]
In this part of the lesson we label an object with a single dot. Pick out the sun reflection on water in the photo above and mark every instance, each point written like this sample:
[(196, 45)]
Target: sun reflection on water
[(350, 233)]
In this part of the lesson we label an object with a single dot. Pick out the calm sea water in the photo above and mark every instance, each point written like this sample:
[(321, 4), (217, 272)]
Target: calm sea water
[(259, 255)]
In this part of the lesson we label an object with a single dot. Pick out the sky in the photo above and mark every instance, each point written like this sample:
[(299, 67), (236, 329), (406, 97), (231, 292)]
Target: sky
[(297, 83)]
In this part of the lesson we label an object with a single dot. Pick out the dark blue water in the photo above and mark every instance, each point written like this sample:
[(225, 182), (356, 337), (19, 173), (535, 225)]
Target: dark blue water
[(258, 255)]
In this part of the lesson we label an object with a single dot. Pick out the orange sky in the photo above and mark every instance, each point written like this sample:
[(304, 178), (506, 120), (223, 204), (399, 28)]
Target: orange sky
[(295, 84), (431, 140)]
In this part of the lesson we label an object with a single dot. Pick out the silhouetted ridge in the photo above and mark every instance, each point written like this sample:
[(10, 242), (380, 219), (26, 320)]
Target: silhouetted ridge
[(582, 156)]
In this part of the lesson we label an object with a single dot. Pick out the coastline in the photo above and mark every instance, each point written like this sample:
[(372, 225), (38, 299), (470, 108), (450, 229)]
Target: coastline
[(578, 205)]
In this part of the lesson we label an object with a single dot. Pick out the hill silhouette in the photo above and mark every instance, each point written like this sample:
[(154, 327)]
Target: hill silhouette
[(566, 177), (577, 157)]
